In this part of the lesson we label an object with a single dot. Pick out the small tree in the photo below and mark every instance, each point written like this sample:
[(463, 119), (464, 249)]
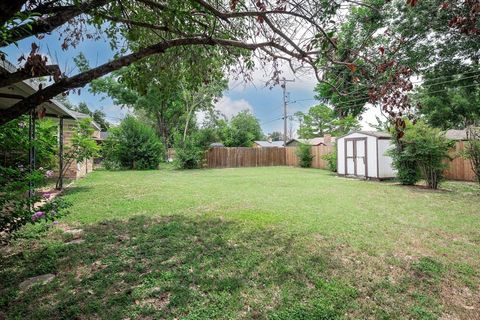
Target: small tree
[(427, 147), (407, 169), (304, 155), (82, 147), (133, 145), (331, 159), (472, 149)]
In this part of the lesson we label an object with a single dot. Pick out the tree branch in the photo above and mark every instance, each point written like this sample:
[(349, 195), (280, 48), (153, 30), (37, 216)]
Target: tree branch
[(12, 78), (83, 78), (50, 23)]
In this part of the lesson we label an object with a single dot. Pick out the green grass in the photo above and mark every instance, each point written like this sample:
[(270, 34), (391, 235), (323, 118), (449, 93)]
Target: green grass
[(276, 243)]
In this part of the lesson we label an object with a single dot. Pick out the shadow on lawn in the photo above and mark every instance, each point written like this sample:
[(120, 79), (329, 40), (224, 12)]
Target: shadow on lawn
[(175, 267)]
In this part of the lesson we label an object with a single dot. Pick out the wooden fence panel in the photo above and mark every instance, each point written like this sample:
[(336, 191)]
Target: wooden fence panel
[(244, 157), (459, 168)]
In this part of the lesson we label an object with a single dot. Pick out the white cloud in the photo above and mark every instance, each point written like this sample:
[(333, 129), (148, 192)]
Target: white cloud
[(230, 107), (115, 114), (304, 78)]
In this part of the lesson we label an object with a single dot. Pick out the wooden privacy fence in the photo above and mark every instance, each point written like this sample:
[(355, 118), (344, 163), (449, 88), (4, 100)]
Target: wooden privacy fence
[(262, 157), (244, 157), (458, 168)]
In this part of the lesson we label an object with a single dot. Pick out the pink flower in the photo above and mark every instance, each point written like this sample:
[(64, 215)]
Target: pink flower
[(37, 215)]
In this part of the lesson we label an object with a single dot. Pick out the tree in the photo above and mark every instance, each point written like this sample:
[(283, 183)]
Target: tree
[(424, 150), (304, 155), (98, 116), (242, 130), (472, 149), (275, 30), (133, 145), (382, 48), (276, 136), (449, 100), (81, 148), (321, 119)]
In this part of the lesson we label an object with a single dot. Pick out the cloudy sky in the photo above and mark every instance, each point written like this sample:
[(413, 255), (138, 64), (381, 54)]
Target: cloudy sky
[(264, 102)]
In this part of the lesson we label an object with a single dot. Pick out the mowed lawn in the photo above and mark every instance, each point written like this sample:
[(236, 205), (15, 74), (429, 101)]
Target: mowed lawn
[(250, 243)]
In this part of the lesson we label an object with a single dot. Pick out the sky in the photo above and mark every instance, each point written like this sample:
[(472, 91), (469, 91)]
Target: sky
[(264, 102)]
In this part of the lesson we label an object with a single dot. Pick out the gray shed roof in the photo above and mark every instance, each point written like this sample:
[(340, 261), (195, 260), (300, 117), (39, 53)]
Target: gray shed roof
[(456, 134), (377, 134), (313, 142), (269, 144)]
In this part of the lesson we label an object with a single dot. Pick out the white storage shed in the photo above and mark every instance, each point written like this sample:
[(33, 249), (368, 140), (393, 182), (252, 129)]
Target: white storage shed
[(362, 154)]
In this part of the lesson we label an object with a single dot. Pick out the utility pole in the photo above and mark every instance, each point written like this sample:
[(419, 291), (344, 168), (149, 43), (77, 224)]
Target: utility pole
[(284, 87)]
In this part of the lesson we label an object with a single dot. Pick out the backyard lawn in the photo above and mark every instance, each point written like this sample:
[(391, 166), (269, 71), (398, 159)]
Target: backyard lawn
[(274, 242)]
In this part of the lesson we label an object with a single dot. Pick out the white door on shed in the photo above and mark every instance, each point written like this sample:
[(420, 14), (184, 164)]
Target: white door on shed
[(355, 157), (360, 157), (350, 157)]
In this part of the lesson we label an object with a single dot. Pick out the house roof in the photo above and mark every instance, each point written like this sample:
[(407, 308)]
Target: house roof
[(377, 134), (79, 115), (269, 144), (26, 88), (103, 135), (313, 142), (456, 134), (216, 145)]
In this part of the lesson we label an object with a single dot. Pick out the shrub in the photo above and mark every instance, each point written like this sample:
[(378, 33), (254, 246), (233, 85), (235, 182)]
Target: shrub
[(304, 155), (407, 169), (427, 147), (189, 154), (472, 150), (331, 159), (133, 145)]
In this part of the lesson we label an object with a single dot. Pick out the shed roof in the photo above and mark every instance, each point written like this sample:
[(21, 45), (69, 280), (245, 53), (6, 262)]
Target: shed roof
[(456, 134), (313, 142), (377, 134), (269, 144)]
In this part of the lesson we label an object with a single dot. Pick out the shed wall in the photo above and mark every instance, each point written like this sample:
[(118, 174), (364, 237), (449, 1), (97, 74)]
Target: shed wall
[(385, 169)]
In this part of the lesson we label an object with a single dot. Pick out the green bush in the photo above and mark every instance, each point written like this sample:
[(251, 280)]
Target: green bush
[(407, 169), (133, 145), (331, 159), (472, 150), (423, 150), (304, 155), (189, 154)]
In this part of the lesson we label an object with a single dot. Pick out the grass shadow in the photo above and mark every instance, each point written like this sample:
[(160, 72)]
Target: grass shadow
[(175, 267)]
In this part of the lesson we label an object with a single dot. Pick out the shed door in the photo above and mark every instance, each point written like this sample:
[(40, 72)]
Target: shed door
[(360, 159), (356, 157)]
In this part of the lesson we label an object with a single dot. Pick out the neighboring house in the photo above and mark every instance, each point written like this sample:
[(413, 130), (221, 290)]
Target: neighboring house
[(54, 109), (267, 144), (326, 140), (362, 154)]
